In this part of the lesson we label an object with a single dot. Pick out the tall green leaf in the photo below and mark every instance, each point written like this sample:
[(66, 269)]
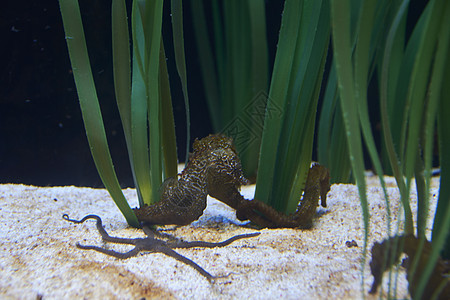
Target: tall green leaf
[(207, 69), (146, 25), (348, 100), (277, 94), (178, 42), (90, 107), (437, 41), (287, 141), (442, 217), (296, 140), (387, 133), (168, 138), (139, 108), (234, 66)]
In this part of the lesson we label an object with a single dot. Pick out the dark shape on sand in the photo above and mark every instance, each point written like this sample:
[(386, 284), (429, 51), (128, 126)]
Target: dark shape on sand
[(150, 243), (387, 253)]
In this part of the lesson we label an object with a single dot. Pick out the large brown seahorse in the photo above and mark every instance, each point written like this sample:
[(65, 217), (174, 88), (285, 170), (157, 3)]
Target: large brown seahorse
[(215, 169)]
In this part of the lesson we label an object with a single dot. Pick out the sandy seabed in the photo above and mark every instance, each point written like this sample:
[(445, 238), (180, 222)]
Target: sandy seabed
[(38, 257)]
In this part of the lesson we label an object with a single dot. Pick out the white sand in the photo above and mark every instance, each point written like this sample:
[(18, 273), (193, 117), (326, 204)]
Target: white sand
[(38, 256)]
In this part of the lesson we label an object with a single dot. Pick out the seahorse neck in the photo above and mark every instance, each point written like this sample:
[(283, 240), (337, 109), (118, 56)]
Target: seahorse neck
[(195, 174)]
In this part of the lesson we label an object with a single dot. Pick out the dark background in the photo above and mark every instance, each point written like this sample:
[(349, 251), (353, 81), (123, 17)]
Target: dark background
[(42, 138)]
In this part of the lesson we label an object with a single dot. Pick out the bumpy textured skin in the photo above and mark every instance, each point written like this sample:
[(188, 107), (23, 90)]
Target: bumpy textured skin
[(317, 185), (184, 200), (215, 169)]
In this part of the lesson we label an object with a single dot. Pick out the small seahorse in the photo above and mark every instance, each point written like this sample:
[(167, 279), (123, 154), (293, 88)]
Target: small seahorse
[(215, 169)]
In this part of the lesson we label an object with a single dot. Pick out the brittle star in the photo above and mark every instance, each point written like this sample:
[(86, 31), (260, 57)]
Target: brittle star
[(150, 243)]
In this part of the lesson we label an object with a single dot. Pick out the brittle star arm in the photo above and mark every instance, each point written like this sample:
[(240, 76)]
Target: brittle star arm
[(201, 244), (105, 236), (120, 255), (182, 244), (153, 245), (169, 252)]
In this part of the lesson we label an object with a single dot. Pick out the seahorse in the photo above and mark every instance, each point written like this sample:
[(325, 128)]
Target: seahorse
[(214, 168), (183, 200)]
